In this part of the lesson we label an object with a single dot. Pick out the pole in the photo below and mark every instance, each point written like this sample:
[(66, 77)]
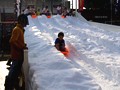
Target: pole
[(72, 4), (21, 6), (52, 6), (63, 2), (43, 4), (111, 11), (76, 8)]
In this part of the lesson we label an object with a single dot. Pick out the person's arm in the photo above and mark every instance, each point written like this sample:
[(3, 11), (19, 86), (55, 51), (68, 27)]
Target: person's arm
[(57, 46)]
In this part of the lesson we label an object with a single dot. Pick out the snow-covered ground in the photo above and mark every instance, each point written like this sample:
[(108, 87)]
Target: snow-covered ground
[(93, 63), (3, 73)]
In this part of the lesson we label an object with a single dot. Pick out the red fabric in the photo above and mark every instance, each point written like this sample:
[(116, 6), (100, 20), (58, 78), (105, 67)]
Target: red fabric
[(34, 16), (66, 53), (63, 16), (48, 16), (81, 5)]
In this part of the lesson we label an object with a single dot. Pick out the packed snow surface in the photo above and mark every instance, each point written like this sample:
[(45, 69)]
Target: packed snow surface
[(93, 62)]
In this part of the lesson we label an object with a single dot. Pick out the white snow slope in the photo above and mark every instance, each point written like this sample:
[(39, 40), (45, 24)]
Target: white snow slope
[(93, 63)]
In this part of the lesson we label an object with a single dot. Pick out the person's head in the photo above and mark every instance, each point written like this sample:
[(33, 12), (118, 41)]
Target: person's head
[(28, 7), (46, 7), (60, 35), (23, 20)]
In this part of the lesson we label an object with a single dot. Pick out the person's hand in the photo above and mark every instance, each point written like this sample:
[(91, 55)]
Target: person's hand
[(26, 48), (25, 44)]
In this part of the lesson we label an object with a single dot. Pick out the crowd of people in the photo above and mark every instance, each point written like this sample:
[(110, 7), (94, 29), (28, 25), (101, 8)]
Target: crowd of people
[(61, 10)]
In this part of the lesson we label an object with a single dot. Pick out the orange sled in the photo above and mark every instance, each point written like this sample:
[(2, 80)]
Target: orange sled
[(66, 52)]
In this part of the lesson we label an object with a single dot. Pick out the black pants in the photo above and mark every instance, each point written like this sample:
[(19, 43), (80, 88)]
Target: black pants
[(12, 78)]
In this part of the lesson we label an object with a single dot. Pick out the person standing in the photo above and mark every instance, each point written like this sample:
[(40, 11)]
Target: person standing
[(45, 10), (38, 12), (27, 11), (58, 9), (65, 12), (17, 47)]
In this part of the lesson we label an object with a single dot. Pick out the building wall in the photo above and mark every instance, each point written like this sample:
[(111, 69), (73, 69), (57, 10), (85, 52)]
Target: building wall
[(7, 6)]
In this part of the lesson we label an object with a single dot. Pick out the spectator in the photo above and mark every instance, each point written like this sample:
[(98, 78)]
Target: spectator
[(38, 12), (45, 10), (58, 9), (17, 46), (65, 12), (32, 10), (22, 12), (27, 11)]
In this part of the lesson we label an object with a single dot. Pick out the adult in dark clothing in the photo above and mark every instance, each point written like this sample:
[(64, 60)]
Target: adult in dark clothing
[(17, 47)]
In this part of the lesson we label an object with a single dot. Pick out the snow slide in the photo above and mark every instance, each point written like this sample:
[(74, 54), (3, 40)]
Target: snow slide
[(93, 63)]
